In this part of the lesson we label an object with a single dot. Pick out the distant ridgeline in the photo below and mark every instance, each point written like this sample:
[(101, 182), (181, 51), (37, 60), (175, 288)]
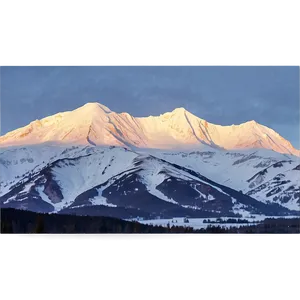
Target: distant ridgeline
[(20, 221)]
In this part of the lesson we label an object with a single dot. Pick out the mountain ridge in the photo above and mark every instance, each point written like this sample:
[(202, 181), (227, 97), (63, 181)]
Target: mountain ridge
[(109, 179), (95, 124), (51, 178)]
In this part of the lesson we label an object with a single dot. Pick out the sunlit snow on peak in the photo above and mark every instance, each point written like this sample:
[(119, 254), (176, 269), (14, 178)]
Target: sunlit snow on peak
[(95, 124)]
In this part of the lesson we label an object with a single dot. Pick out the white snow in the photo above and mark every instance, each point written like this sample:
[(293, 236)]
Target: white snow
[(57, 206), (287, 186), (155, 172), (197, 223), (210, 197), (152, 177), (224, 167), (92, 166), (90, 171), (191, 206), (100, 200), (9, 199)]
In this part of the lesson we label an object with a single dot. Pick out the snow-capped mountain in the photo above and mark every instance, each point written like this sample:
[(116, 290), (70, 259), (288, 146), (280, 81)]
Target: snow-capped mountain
[(265, 175), (120, 182), (76, 169), (95, 161), (96, 124), (16, 162), (232, 168)]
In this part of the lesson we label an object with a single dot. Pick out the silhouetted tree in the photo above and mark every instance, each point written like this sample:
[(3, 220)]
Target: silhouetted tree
[(39, 224), (168, 226), (6, 227)]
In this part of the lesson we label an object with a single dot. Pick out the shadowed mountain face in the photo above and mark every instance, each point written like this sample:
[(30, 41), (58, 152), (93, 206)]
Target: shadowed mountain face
[(119, 182)]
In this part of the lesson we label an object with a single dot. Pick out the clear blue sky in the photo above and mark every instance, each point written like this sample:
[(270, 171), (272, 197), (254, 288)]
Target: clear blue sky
[(221, 95)]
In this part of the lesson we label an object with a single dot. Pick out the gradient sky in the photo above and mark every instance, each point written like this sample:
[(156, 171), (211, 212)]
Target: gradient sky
[(221, 95)]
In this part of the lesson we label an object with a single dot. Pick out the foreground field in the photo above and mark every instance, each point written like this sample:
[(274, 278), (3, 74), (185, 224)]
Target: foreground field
[(203, 223), (21, 221)]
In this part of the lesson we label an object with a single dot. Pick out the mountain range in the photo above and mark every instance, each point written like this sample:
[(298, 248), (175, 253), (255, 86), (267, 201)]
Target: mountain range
[(97, 162)]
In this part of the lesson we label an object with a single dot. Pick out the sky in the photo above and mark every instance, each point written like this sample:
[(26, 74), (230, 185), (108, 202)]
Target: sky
[(220, 95)]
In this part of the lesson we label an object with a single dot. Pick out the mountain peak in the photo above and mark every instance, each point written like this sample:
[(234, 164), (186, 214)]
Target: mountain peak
[(94, 106), (252, 122), (179, 110), (177, 113)]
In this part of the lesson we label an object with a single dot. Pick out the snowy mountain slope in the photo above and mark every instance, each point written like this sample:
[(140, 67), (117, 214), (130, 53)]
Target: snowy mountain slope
[(95, 124), (230, 168), (15, 162), (272, 171), (117, 178), (283, 188), (64, 178), (238, 198), (160, 188), (18, 162)]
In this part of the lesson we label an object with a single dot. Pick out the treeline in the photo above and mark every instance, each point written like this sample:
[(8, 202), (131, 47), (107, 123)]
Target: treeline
[(228, 221), (269, 225), (20, 221)]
